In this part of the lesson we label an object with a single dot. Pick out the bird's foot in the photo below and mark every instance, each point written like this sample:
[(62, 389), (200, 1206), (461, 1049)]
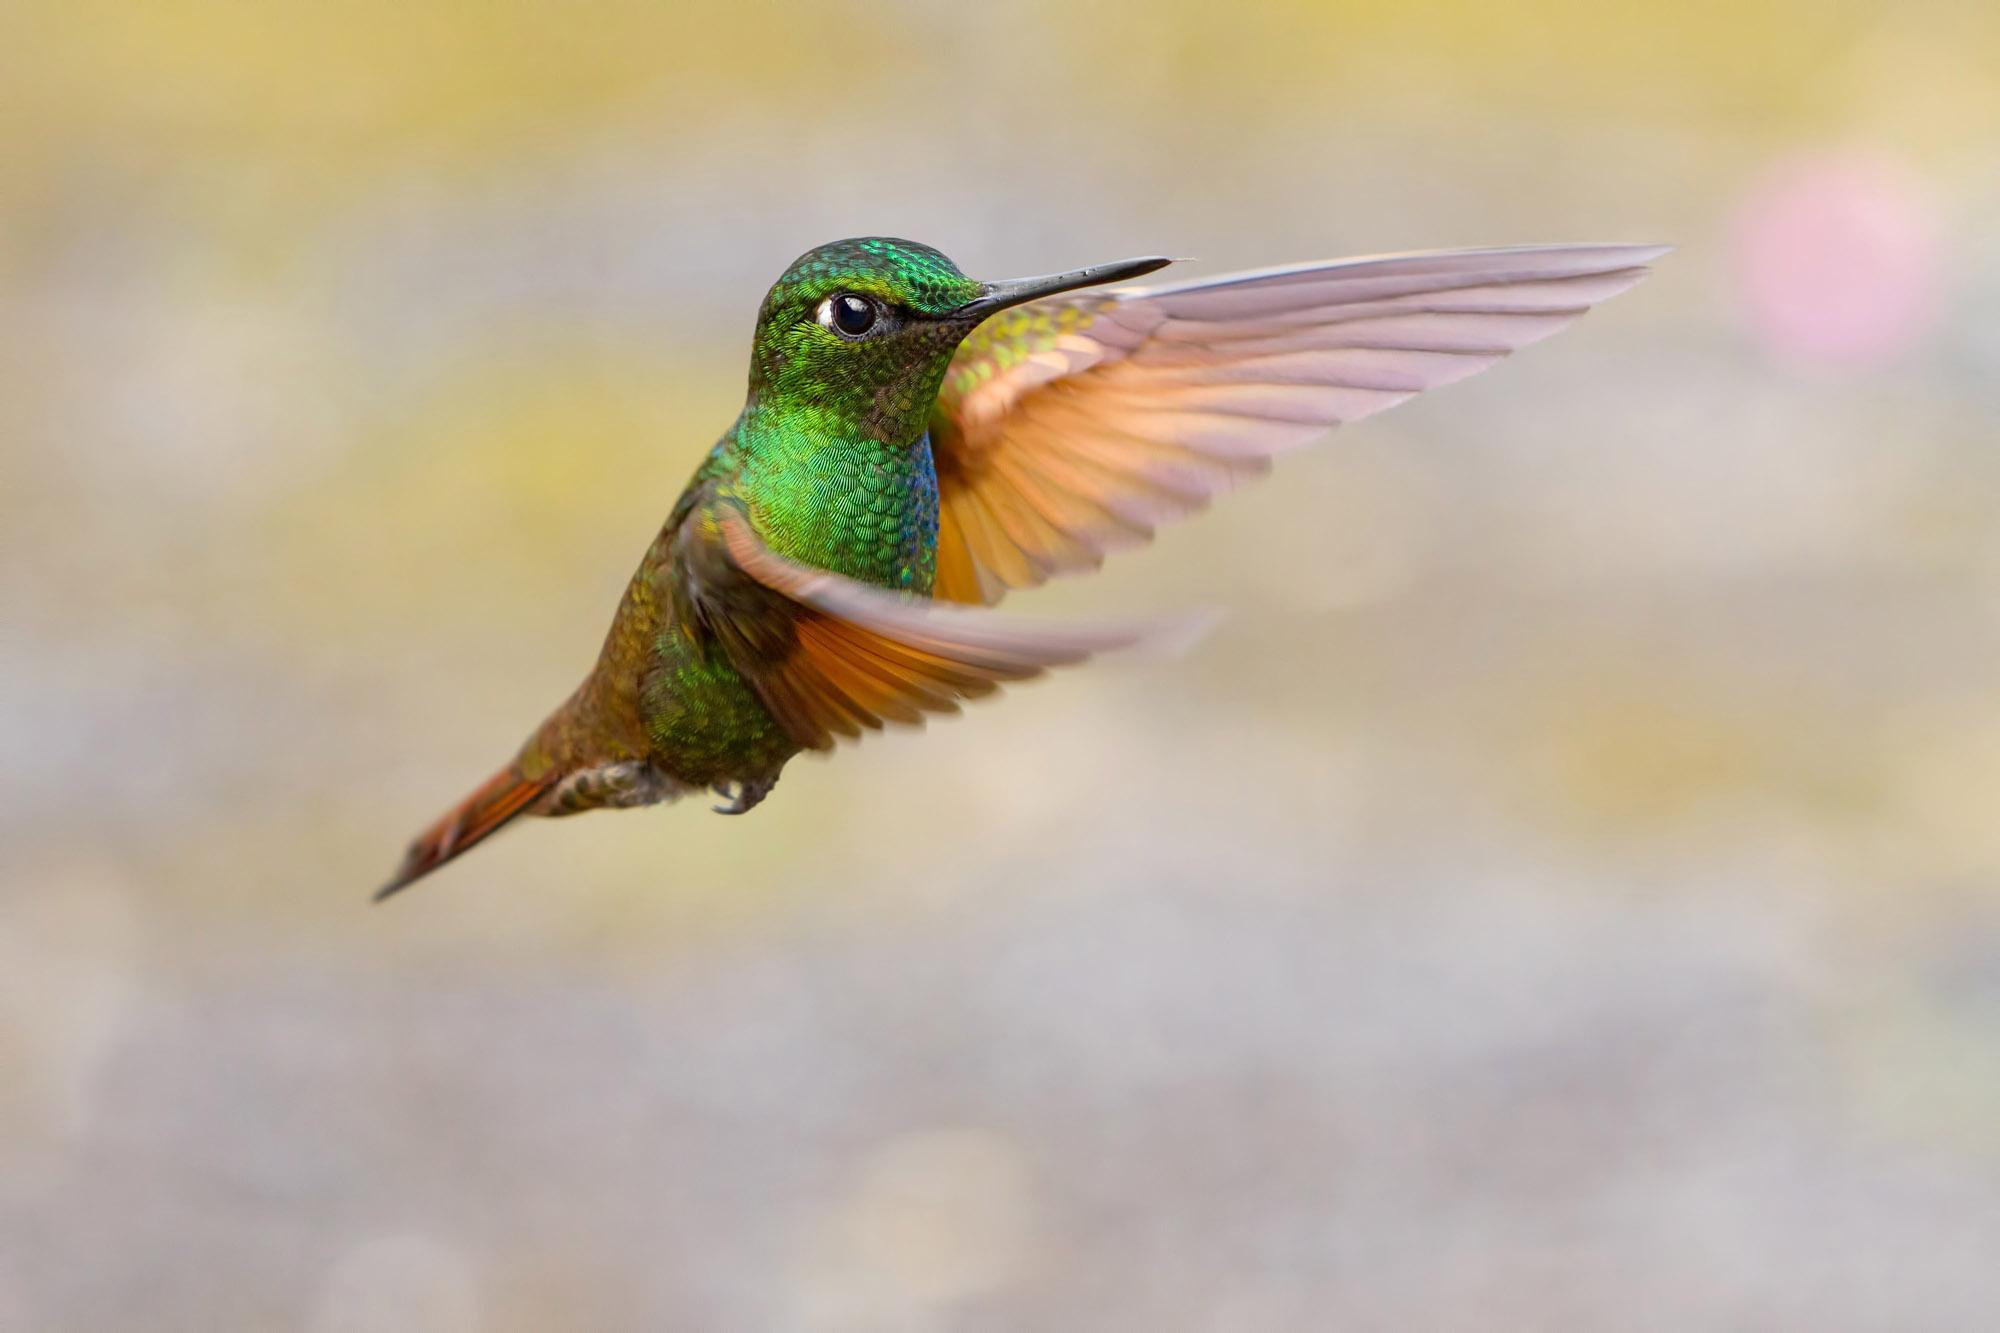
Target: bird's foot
[(742, 796)]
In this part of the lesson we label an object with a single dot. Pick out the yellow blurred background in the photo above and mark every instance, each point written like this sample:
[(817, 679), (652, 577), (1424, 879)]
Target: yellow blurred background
[(1561, 895)]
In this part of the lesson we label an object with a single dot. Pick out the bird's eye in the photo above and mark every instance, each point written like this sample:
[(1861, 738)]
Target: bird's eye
[(848, 315)]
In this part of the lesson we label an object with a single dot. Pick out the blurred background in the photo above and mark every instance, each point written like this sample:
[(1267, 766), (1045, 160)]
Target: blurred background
[(1561, 895)]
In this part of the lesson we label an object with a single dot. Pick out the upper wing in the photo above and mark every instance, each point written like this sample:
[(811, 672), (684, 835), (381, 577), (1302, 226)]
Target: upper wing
[(830, 656), (1073, 426)]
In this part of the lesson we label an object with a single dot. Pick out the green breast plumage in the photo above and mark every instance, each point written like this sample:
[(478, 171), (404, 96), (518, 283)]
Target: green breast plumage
[(857, 506), (861, 507)]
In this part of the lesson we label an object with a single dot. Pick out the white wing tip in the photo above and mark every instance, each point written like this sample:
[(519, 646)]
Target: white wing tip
[(1585, 258), (1175, 635)]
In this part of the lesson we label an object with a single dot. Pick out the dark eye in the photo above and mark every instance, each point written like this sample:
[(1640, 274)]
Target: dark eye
[(848, 315)]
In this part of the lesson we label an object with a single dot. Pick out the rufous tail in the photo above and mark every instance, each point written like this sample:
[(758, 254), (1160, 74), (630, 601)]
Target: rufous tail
[(503, 796)]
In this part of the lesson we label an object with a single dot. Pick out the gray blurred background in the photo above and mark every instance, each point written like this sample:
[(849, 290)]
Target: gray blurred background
[(1562, 895)]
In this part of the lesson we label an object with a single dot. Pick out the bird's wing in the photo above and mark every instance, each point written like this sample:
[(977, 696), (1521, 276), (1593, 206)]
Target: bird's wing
[(832, 657), (1073, 426)]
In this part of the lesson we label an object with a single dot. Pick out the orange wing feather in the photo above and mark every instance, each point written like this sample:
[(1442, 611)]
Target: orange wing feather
[(853, 657), (1075, 426)]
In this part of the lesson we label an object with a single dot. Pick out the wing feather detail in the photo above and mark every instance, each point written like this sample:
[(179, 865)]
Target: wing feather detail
[(1075, 426), (833, 658)]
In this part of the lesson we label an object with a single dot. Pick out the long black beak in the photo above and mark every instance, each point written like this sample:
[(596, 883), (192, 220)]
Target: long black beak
[(999, 295)]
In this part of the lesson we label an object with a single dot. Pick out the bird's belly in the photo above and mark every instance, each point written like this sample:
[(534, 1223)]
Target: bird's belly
[(705, 722)]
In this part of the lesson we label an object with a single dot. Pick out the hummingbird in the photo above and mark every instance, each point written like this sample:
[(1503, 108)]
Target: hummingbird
[(915, 443)]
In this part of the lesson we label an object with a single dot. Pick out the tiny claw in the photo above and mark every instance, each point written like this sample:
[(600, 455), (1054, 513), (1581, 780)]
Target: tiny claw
[(742, 796)]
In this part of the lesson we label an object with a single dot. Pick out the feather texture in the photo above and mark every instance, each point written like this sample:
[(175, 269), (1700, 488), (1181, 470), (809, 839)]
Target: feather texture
[(861, 657), (833, 657), (1075, 426), (497, 801)]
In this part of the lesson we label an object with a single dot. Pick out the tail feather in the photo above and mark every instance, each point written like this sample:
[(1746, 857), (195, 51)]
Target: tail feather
[(502, 797)]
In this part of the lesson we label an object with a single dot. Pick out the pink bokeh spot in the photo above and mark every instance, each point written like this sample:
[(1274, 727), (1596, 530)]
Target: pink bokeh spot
[(1837, 259)]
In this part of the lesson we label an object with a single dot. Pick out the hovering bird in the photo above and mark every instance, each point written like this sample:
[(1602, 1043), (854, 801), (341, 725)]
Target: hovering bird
[(915, 443)]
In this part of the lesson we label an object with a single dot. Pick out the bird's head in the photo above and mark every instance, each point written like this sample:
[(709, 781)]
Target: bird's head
[(863, 329)]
